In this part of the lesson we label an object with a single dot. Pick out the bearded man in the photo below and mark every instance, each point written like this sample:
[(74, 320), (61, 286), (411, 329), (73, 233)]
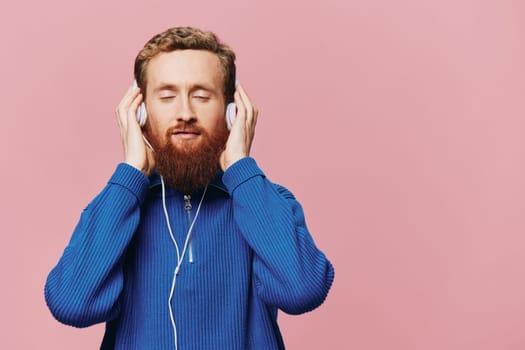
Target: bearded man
[(189, 245)]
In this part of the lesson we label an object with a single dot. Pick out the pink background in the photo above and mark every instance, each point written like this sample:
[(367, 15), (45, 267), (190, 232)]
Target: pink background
[(398, 124)]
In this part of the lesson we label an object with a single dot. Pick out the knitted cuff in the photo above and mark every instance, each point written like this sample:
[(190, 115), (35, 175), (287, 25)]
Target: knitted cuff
[(131, 178), (239, 172)]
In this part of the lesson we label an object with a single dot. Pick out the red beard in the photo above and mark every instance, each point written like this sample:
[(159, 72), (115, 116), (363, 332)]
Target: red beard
[(188, 167)]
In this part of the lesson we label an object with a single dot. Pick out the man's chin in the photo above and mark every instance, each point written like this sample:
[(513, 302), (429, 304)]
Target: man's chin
[(187, 168)]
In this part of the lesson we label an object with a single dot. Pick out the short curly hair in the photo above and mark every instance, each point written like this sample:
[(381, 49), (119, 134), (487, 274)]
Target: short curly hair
[(187, 38)]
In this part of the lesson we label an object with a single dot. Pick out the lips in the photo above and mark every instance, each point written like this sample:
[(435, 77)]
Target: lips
[(186, 134)]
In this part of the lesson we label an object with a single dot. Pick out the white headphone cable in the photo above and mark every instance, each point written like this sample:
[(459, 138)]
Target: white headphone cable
[(180, 257)]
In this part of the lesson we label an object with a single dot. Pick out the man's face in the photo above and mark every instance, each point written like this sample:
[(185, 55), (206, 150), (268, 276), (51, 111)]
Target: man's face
[(186, 124), (185, 87)]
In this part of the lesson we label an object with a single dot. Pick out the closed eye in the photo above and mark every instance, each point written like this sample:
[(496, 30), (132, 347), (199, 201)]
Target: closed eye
[(204, 98)]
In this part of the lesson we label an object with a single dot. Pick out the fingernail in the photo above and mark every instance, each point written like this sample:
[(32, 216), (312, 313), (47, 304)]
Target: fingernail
[(236, 82)]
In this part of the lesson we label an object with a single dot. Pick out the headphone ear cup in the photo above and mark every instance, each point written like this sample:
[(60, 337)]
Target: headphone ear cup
[(142, 114), (141, 111), (231, 112)]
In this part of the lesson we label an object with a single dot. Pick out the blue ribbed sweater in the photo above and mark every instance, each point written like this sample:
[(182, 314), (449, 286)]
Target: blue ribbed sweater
[(251, 254)]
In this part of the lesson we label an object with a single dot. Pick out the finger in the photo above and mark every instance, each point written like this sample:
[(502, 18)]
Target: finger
[(132, 132), (251, 111), (132, 111), (241, 108), (124, 105), (125, 100)]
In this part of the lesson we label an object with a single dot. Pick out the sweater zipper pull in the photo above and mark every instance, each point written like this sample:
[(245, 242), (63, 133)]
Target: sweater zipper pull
[(187, 206)]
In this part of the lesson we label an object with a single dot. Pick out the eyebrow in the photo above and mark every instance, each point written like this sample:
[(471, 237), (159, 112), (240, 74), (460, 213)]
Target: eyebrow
[(172, 87)]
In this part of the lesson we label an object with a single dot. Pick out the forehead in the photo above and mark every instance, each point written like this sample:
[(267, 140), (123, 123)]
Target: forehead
[(185, 67)]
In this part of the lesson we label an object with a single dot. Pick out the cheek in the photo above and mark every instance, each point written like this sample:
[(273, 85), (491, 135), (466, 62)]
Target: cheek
[(154, 131), (211, 117), (219, 122), (220, 115), (157, 118)]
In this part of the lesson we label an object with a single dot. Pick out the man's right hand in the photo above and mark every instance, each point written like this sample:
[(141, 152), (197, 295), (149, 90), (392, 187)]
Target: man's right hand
[(136, 153)]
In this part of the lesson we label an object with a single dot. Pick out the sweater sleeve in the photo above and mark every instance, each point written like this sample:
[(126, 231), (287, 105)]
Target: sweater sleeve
[(84, 287), (290, 272)]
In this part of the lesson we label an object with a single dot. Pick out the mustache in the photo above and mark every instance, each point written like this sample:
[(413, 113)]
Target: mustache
[(189, 127)]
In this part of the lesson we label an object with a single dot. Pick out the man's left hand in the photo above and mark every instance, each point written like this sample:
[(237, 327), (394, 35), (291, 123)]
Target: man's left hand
[(242, 132)]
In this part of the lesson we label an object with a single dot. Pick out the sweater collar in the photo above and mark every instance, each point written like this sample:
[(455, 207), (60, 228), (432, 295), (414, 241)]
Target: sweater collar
[(216, 182)]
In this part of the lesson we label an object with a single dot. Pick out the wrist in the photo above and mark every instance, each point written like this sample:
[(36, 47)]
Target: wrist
[(228, 162), (129, 177), (137, 165), (240, 172)]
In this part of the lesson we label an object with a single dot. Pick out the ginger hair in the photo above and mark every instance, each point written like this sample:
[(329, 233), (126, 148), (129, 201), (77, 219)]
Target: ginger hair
[(187, 38)]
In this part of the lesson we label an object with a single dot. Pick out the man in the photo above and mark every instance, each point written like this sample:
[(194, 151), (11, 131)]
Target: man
[(189, 245)]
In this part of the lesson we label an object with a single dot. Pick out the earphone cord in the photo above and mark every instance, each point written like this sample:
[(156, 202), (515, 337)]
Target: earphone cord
[(147, 142), (180, 257)]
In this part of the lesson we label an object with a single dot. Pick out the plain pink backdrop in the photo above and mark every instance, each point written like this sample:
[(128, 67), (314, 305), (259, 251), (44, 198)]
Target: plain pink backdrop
[(398, 125)]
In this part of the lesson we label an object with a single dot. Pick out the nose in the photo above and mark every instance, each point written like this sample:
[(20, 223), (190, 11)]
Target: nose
[(186, 112)]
